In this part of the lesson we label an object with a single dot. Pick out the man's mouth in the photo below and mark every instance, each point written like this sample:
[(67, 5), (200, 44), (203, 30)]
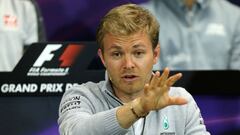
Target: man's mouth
[(129, 78)]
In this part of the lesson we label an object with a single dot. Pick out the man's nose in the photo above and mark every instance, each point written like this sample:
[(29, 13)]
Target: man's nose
[(128, 62)]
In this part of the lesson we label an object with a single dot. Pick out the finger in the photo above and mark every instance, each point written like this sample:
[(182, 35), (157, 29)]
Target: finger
[(155, 79), (146, 89), (164, 77), (177, 101), (172, 80)]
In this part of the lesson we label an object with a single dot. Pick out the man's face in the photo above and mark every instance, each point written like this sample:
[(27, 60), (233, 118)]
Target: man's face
[(129, 61)]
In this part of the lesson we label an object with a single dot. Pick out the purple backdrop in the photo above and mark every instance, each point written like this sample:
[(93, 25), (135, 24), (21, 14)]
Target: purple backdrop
[(76, 20)]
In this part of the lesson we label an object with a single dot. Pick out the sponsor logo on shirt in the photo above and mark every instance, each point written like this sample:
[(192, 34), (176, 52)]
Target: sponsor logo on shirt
[(10, 21), (70, 103), (165, 123), (215, 29), (48, 55), (165, 126)]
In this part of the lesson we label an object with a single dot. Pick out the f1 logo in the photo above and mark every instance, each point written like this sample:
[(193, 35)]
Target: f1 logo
[(46, 54), (67, 57), (70, 54)]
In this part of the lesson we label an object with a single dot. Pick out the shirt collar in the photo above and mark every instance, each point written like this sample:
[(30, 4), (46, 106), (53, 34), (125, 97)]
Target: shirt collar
[(108, 90), (107, 84)]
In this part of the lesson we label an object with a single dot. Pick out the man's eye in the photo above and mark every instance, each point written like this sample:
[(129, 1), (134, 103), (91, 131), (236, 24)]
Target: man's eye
[(139, 53), (116, 54)]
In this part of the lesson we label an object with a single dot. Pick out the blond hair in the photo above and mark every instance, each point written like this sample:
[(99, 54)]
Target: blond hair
[(128, 19)]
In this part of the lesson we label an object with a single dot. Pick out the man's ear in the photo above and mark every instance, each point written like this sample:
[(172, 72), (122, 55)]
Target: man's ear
[(156, 53), (100, 54)]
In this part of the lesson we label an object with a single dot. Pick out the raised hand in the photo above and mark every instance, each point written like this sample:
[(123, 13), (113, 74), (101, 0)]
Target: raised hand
[(156, 93)]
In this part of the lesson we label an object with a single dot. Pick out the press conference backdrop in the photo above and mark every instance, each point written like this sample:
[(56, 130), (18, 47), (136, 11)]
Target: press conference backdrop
[(77, 20), (30, 95)]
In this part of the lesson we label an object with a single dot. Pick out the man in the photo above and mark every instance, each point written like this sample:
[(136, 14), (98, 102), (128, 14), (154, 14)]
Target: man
[(132, 100), (20, 25), (197, 34)]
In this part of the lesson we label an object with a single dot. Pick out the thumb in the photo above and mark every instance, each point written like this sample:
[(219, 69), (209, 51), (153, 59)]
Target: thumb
[(177, 101)]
